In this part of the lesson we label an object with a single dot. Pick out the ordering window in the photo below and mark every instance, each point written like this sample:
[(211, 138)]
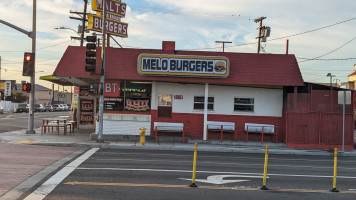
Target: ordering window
[(199, 103), (164, 105), (244, 104)]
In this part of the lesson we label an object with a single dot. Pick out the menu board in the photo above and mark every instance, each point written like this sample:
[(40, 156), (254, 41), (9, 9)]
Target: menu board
[(137, 105), (86, 112), (113, 104)]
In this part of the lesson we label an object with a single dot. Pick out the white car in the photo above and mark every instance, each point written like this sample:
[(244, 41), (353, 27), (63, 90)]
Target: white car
[(65, 107), (1, 110), (57, 107)]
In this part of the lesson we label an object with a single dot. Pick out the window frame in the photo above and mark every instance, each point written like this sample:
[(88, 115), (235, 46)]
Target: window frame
[(198, 102), (245, 104)]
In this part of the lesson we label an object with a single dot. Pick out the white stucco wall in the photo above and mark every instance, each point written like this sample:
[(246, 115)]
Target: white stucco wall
[(268, 102)]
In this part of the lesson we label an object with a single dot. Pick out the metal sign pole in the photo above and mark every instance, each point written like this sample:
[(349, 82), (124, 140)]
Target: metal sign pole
[(102, 78)]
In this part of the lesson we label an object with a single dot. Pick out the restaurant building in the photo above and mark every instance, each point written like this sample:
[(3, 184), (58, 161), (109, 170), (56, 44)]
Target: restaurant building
[(144, 87)]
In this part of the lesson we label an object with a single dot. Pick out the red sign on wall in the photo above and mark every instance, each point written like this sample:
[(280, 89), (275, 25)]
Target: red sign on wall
[(112, 88)]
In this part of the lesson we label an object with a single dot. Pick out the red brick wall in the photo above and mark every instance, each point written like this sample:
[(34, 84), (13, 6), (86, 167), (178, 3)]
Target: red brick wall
[(193, 124)]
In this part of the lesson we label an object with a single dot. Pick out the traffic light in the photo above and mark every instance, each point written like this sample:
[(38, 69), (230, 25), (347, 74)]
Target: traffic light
[(26, 87), (90, 61), (28, 64)]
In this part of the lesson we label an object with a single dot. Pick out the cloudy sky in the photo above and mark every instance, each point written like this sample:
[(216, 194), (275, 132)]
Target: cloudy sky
[(321, 33)]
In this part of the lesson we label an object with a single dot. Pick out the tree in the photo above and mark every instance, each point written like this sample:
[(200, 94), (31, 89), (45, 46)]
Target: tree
[(16, 98)]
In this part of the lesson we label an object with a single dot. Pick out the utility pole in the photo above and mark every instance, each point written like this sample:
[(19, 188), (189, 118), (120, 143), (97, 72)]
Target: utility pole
[(83, 23), (260, 19), (102, 78), (0, 67), (331, 78), (32, 94), (223, 42)]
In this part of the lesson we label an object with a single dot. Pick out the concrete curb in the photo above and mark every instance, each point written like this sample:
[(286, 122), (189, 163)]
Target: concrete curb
[(201, 147)]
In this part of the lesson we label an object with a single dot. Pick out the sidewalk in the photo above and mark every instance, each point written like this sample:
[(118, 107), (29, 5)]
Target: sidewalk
[(81, 138)]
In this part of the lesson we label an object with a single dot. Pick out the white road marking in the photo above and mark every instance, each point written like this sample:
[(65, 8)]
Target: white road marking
[(214, 172), (219, 179), (47, 187)]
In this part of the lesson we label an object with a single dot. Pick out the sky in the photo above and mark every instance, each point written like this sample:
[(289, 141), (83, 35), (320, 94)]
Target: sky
[(321, 33)]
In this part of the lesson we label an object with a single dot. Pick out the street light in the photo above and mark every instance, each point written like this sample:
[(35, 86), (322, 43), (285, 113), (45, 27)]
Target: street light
[(62, 27), (331, 77)]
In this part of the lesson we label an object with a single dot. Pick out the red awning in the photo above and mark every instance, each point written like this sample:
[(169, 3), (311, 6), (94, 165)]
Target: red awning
[(245, 68)]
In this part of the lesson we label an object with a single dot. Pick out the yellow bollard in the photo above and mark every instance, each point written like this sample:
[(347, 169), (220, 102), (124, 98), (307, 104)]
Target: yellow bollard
[(265, 170), (142, 136), (194, 165), (335, 172)]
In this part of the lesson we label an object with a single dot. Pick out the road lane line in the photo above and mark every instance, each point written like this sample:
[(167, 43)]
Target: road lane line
[(25, 141), (213, 172), (202, 187), (47, 187)]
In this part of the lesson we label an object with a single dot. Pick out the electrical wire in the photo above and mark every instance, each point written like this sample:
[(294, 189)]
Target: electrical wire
[(329, 51)]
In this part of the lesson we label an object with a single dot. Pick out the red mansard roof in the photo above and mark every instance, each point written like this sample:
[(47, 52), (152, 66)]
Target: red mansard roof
[(245, 68)]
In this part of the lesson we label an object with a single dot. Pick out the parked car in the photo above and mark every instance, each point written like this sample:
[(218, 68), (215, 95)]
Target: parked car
[(48, 108), (38, 108), (1, 110), (58, 107), (65, 107), (69, 106), (22, 107)]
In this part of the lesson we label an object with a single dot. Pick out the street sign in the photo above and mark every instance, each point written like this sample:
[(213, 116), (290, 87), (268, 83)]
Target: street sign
[(95, 23), (113, 7), (7, 89), (340, 99)]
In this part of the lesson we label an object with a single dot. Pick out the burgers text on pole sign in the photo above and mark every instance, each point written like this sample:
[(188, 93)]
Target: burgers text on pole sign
[(95, 23), (183, 65), (113, 7)]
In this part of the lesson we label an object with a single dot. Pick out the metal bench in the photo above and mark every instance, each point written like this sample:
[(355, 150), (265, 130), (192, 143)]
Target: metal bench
[(261, 129), (222, 127), (168, 127)]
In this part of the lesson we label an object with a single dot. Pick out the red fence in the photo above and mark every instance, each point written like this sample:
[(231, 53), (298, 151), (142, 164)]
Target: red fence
[(318, 130)]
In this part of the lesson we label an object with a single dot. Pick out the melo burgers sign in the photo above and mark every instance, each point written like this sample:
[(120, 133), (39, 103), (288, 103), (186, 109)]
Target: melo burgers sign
[(183, 65)]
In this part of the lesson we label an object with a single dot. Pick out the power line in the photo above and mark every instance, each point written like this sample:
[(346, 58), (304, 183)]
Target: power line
[(330, 51), (327, 59)]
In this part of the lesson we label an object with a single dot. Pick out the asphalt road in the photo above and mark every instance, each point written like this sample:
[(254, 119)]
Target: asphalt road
[(18, 121), (134, 174)]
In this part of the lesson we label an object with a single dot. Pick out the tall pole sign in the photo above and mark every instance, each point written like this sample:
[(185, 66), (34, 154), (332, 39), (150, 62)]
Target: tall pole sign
[(114, 11), (106, 20)]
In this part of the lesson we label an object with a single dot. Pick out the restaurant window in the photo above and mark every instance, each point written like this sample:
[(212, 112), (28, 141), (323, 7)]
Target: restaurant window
[(244, 104), (164, 105), (134, 96), (199, 103)]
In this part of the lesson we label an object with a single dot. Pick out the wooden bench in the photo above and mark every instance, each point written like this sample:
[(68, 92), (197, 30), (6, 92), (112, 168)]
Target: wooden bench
[(222, 127), (168, 127), (261, 129), (47, 124)]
